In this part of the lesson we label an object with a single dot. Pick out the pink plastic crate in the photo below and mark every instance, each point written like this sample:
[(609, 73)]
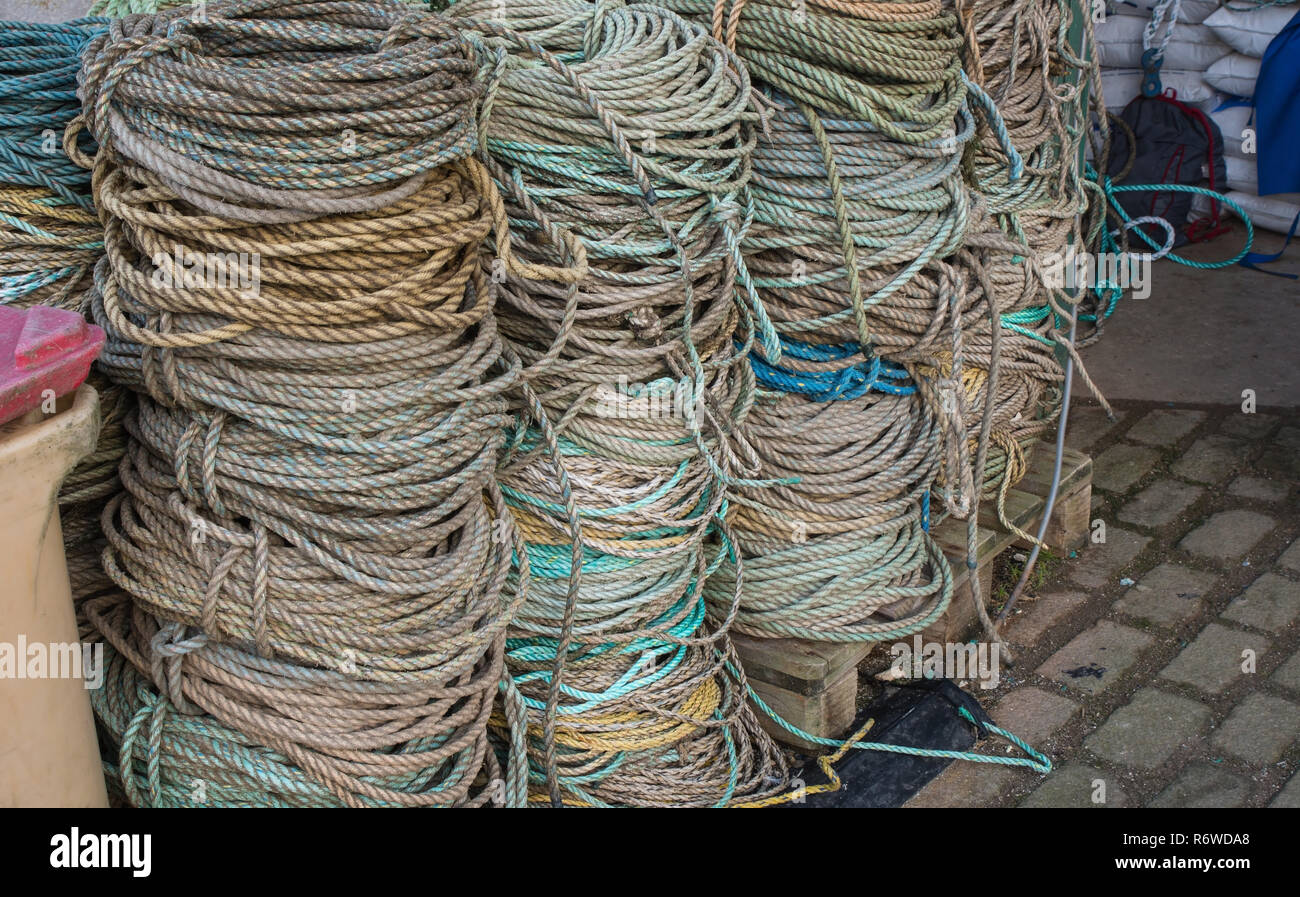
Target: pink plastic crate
[(42, 349)]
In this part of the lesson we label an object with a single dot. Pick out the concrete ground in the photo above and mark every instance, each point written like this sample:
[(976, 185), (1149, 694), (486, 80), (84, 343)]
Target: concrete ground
[(1204, 336), (42, 11), (1160, 666)]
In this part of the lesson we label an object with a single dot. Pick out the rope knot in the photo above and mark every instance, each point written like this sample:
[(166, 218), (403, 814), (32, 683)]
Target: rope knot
[(727, 211), (169, 646), (647, 325)]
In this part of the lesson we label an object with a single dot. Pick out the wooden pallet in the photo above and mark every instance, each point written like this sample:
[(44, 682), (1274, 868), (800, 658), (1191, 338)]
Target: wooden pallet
[(814, 685)]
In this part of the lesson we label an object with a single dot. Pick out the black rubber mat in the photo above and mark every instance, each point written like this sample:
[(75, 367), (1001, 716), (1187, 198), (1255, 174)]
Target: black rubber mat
[(924, 715)]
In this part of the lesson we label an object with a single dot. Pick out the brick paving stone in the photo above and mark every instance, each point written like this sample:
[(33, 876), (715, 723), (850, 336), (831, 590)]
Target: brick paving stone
[(1288, 437), (1088, 424), (1148, 730), (1283, 455), (1098, 564), (1122, 465), (1270, 603), (1227, 535), (1209, 459), (1097, 658), (1259, 729), (1214, 659), (964, 785), (1204, 785), (1160, 503), (1290, 558), (1168, 595), (1075, 785), (1164, 426), (1257, 489), (1248, 426), (1031, 619), (1033, 713), (1288, 674), (1289, 796)]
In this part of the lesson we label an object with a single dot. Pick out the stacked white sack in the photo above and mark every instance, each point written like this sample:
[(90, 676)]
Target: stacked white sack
[(1248, 34)]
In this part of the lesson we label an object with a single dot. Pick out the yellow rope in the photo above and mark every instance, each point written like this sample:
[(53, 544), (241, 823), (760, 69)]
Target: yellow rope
[(826, 763)]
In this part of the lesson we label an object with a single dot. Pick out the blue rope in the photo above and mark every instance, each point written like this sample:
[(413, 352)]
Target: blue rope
[(851, 382)]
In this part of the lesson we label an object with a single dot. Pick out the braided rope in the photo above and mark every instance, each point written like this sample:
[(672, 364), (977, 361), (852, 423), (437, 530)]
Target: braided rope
[(48, 234), (310, 531), (841, 553), (629, 130)]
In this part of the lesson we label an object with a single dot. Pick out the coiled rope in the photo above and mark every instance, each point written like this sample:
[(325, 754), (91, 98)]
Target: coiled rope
[(280, 734), (90, 485), (1020, 54), (307, 531), (630, 130), (858, 195), (117, 9), (857, 184), (841, 552), (49, 237)]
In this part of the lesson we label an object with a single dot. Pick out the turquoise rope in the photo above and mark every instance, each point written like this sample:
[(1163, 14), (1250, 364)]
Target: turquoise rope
[(1112, 189), (38, 98), (1034, 760), (1111, 293)]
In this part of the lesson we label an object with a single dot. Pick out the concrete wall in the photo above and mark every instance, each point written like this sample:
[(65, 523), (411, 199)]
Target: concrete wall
[(43, 11)]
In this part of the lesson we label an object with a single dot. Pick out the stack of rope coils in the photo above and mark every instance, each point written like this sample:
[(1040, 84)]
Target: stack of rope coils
[(629, 131), (1020, 52), (1020, 55), (118, 8), (859, 199), (49, 241), (49, 237), (857, 181), (840, 550), (886, 412), (1014, 51), (317, 609)]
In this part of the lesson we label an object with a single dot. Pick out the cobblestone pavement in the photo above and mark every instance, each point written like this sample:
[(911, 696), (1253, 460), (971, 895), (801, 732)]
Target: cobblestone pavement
[(1160, 667)]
